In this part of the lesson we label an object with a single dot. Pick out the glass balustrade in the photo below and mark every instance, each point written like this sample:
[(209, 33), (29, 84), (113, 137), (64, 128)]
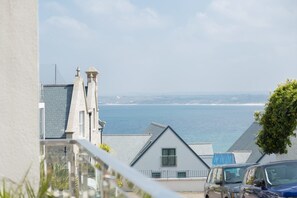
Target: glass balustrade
[(77, 168)]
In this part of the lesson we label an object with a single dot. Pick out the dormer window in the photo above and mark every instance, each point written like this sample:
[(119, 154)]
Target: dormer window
[(82, 123), (168, 157)]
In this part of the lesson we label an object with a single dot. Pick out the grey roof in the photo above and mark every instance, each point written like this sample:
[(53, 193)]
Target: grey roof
[(155, 130), (121, 146), (57, 99), (247, 142)]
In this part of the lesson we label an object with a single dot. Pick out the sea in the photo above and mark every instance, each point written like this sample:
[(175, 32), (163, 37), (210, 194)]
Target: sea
[(216, 119)]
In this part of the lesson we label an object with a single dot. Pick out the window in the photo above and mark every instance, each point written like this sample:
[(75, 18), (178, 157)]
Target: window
[(219, 175), (156, 175), (181, 174), (82, 123), (168, 157), (209, 176), (213, 176), (250, 176), (42, 120)]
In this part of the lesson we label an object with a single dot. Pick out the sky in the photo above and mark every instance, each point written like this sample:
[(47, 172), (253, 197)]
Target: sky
[(170, 46)]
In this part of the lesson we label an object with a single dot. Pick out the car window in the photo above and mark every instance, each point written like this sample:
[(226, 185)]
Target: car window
[(219, 176), (213, 176), (234, 174), (250, 176), (259, 174), (285, 173), (209, 176)]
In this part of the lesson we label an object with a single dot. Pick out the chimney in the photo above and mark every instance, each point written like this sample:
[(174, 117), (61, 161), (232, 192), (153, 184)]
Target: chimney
[(92, 74)]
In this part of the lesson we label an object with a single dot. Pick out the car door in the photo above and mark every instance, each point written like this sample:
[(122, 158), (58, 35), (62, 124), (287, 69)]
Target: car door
[(208, 182), (249, 190), (216, 184)]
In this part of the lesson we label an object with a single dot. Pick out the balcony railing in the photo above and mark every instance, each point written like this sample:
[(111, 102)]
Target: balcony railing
[(175, 173), (80, 169)]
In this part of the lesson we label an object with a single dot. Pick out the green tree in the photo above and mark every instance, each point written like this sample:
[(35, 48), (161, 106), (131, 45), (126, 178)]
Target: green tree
[(279, 119)]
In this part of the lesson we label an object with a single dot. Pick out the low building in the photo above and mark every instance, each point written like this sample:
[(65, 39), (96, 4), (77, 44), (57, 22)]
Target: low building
[(158, 153), (71, 110)]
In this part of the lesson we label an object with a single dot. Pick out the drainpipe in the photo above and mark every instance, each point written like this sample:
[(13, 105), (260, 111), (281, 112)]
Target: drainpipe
[(90, 128)]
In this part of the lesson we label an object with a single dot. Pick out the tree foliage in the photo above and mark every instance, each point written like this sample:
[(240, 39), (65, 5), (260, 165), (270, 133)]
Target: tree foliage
[(279, 119)]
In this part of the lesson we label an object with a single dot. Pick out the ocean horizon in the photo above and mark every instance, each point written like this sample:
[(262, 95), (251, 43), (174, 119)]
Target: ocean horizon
[(219, 123)]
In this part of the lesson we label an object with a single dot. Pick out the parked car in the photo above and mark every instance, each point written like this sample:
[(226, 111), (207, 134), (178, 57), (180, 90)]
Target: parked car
[(224, 181), (272, 180)]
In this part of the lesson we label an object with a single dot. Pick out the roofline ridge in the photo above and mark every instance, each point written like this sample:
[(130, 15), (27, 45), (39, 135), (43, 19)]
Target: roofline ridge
[(159, 125), (144, 134), (56, 85), (199, 143)]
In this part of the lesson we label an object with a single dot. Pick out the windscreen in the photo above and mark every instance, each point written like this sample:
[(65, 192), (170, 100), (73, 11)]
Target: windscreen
[(234, 174), (278, 174)]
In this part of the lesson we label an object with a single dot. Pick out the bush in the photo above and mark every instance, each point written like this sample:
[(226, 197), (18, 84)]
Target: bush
[(279, 119)]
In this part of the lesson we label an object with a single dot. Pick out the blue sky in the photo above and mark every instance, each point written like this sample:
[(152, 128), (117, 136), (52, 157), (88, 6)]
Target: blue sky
[(170, 46)]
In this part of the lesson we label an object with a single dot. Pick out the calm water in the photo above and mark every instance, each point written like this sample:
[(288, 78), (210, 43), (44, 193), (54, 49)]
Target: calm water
[(218, 124)]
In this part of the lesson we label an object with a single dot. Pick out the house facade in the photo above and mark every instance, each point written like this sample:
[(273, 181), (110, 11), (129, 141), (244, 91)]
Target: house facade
[(71, 110), (158, 153)]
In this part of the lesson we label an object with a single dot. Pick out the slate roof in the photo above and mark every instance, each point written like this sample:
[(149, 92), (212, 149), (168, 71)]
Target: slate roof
[(247, 141), (156, 131), (57, 99), (121, 146)]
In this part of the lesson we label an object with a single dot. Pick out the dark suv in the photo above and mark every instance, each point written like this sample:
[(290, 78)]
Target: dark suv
[(224, 181), (272, 180)]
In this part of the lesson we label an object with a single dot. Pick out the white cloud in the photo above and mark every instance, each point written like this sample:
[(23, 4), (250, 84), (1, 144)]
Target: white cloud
[(244, 21), (55, 7), (68, 25), (122, 14), (107, 6), (210, 48)]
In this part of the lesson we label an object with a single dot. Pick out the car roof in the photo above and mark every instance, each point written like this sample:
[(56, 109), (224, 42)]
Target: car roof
[(274, 163), (233, 165)]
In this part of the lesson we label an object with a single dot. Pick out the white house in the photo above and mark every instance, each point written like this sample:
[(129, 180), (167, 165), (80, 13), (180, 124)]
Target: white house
[(158, 153), (71, 110)]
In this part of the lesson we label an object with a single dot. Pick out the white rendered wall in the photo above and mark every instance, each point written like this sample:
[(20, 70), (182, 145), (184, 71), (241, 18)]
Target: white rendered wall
[(78, 103), (19, 142), (186, 160), (184, 184)]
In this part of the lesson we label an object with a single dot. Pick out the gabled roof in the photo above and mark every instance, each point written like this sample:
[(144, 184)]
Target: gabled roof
[(57, 99), (121, 146), (247, 142), (157, 130)]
